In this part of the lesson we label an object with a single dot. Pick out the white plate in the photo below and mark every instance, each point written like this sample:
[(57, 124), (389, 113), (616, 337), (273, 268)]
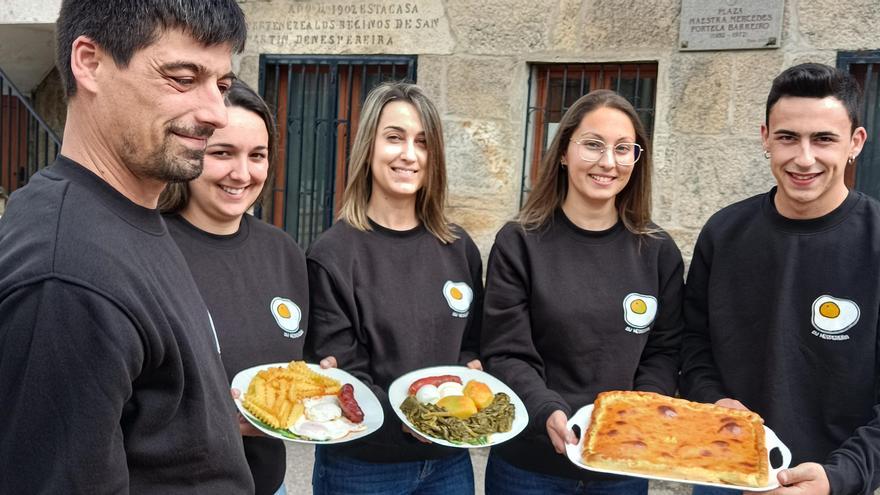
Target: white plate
[(366, 399), (584, 416), (399, 389)]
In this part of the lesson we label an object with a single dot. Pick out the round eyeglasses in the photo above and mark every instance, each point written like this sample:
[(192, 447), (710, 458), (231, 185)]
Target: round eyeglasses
[(592, 150)]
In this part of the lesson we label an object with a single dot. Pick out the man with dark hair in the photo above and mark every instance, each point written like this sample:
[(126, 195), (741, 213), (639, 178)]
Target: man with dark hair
[(110, 370), (783, 293)]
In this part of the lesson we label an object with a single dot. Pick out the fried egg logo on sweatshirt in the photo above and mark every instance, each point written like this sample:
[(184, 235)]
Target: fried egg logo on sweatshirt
[(832, 316), (639, 311), (459, 297), (288, 316)]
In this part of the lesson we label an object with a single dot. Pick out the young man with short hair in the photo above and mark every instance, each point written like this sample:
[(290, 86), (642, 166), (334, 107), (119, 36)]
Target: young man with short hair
[(110, 370), (783, 293)]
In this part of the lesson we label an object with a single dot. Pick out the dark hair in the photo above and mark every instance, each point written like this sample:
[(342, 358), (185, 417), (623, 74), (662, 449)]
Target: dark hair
[(816, 81), (633, 202), (122, 27), (176, 194)]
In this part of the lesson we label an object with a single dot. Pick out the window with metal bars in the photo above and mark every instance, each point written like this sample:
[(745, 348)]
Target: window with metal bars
[(317, 102), (553, 88), (864, 173)]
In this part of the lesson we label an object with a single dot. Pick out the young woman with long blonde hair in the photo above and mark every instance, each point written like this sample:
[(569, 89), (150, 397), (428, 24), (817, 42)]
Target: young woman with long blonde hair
[(380, 278)]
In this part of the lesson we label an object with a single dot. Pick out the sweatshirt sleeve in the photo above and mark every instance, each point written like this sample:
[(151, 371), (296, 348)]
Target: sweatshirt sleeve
[(854, 468), (69, 357), (470, 346), (658, 368), (700, 380), (507, 346), (333, 327)]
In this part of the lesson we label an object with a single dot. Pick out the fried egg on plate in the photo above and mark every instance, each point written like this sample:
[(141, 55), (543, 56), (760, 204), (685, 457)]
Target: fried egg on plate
[(323, 420)]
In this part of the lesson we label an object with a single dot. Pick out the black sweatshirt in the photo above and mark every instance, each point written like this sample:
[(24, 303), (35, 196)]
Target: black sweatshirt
[(381, 304), (244, 278), (109, 371), (570, 313), (782, 315)]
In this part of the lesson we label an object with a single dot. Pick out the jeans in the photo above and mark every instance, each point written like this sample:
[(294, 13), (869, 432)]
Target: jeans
[(714, 490), (281, 490), (503, 478), (335, 474)]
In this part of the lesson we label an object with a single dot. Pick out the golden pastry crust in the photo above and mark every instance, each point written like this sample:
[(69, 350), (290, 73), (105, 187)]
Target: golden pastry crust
[(648, 433)]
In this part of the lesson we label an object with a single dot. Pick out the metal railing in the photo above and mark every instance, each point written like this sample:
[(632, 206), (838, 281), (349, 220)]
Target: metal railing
[(27, 143)]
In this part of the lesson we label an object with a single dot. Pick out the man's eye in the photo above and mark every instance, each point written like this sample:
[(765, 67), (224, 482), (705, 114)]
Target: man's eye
[(224, 88), (184, 81)]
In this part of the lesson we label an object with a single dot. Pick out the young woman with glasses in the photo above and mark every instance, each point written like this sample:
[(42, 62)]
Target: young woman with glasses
[(583, 295)]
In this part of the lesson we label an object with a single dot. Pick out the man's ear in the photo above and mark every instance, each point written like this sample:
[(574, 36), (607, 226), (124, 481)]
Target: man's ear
[(86, 58), (857, 142), (765, 137)]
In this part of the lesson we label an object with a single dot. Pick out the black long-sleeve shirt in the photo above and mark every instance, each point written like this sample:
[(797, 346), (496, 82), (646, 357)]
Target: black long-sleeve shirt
[(245, 278), (381, 305), (782, 315), (569, 313), (109, 370)]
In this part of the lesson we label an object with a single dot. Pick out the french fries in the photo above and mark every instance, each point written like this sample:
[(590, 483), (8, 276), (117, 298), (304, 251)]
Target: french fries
[(275, 395)]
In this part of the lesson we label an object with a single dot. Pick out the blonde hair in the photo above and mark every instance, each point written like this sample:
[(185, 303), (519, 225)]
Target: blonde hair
[(431, 197), (633, 203)]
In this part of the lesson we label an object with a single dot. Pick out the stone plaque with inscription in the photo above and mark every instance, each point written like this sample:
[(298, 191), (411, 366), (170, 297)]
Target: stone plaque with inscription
[(730, 24), (347, 26)]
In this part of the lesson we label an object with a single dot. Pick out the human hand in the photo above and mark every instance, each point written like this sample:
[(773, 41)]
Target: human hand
[(415, 435), (731, 404), (558, 431), (475, 364), (328, 362), (808, 478), (245, 428)]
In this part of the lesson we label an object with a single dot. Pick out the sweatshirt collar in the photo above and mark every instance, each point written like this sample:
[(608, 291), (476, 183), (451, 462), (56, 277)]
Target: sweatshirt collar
[(220, 241), (398, 234), (812, 225), (590, 236), (145, 219)]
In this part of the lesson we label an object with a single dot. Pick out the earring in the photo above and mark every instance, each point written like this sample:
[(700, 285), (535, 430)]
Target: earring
[(766, 154), (850, 160)]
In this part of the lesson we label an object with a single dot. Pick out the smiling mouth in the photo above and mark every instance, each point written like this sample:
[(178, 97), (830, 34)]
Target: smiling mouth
[(201, 142), (803, 177), (602, 179), (405, 171), (235, 191)]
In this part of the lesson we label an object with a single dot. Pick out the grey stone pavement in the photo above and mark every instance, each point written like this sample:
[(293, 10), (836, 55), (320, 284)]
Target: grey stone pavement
[(300, 459)]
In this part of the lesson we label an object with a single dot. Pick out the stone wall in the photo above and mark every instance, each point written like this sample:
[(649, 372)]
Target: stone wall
[(49, 102), (473, 58)]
